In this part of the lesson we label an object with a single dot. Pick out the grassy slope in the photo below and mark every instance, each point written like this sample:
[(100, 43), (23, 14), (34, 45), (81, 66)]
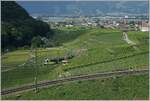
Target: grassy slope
[(94, 45), (124, 88)]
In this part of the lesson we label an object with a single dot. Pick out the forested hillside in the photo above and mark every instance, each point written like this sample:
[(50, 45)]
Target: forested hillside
[(18, 27)]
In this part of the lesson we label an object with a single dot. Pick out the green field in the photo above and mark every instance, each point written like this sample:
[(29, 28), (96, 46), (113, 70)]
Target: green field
[(119, 88), (95, 50)]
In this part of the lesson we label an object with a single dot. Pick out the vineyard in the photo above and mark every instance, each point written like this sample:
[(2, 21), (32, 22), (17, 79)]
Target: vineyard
[(94, 50)]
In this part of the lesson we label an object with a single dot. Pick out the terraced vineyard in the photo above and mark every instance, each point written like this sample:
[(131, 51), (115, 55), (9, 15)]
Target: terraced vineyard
[(95, 50)]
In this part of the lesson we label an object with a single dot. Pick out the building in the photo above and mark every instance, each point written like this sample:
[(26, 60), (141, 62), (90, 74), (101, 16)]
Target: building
[(144, 27)]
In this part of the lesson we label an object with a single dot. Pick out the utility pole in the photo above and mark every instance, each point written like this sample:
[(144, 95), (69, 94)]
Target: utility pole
[(35, 66), (85, 45), (58, 54)]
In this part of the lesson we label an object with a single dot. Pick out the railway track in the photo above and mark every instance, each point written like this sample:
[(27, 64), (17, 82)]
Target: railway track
[(75, 78)]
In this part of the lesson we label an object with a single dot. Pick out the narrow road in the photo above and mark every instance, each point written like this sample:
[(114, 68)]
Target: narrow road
[(75, 78), (126, 38)]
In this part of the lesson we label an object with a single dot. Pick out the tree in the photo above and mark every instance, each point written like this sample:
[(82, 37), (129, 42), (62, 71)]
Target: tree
[(36, 42)]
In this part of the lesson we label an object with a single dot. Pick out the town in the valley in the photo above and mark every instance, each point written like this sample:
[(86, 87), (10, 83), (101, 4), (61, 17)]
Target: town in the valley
[(133, 23)]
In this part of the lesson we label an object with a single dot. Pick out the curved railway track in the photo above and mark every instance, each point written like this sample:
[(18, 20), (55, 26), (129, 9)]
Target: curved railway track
[(75, 78)]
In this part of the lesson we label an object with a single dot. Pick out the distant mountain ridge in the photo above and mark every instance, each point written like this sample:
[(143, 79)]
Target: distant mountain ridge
[(86, 8)]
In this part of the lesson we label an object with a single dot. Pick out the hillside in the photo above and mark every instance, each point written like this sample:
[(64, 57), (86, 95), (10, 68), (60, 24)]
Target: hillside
[(18, 28), (95, 50)]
